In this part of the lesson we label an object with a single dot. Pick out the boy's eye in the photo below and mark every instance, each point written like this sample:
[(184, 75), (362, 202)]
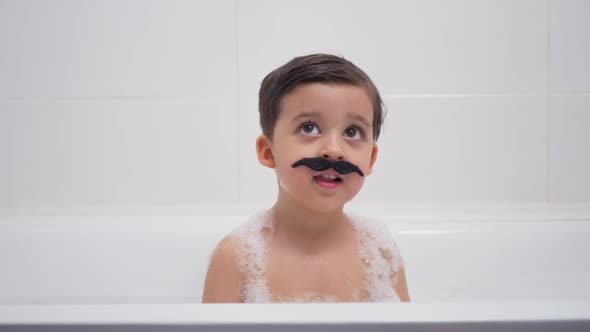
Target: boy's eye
[(309, 128), (353, 133)]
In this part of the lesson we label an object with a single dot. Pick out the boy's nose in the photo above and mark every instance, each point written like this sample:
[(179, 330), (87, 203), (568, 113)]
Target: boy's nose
[(327, 156), (332, 147)]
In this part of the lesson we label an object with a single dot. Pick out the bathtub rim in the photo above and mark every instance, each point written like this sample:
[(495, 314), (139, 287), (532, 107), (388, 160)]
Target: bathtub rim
[(296, 314)]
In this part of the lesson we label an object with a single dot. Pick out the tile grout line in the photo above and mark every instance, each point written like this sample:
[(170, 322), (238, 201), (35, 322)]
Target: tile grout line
[(484, 95), (548, 109), (469, 95), (237, 99), (112, 98), (238, 95)]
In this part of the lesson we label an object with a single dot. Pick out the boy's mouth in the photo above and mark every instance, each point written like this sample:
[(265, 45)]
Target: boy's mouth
[(327, 180)]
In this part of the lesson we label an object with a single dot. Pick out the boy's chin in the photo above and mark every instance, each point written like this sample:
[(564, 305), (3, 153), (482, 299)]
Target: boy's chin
[(325, 207)]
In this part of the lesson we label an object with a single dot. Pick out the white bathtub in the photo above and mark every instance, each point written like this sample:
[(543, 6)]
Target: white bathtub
[(86, 270)]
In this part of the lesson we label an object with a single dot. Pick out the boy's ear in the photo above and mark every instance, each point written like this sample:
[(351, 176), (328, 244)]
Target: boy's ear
[(374, 153), (264, 152)]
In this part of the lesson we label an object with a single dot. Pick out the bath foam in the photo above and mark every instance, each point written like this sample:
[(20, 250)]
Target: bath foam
[(381, 257), (378, 252), (253, 256), (305, 298)]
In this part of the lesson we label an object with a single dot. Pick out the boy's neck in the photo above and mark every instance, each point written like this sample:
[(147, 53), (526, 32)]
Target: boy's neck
[(299, 220)]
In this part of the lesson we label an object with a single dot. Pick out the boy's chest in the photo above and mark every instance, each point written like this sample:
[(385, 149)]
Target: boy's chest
[(335, 275)]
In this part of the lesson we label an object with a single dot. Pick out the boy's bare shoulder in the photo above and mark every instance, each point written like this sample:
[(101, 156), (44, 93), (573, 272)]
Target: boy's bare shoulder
[(227, 250), (224, 279), (376, 234), (240, 243)]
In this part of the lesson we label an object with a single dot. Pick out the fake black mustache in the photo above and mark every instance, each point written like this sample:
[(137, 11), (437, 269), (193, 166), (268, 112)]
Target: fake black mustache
[(322, 164)]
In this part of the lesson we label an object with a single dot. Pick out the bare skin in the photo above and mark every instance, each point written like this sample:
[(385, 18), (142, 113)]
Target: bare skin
[(312, 266), (327, 269), (314, 252), (223, 283)]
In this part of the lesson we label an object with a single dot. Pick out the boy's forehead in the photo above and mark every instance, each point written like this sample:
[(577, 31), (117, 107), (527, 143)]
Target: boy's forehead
[(317, 99)]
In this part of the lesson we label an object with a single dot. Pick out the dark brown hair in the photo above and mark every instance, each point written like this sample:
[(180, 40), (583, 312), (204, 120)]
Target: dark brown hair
[(323, 68)]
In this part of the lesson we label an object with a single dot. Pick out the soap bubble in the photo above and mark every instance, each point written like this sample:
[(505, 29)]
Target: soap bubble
[(378, 252)]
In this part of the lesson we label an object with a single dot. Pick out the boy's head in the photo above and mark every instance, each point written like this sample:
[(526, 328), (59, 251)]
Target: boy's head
[(320, 115), (320, 68)]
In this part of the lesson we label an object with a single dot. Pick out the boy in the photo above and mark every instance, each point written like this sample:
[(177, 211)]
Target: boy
[(320, 116)]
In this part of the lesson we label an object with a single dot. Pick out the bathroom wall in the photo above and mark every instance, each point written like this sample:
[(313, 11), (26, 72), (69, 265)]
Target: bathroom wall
[(154, 103)]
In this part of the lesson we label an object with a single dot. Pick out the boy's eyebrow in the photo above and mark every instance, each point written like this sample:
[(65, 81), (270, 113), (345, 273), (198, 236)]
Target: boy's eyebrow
[(318, 114), (306, 115), (359, 118)]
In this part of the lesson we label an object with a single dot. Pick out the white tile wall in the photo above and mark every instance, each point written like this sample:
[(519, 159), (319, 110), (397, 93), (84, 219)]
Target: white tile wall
[(461, 149), (437, 149), (405, 46), (258, 184), (117, 48), (570, 45), (133, 102), (119, 152), (569, 161)]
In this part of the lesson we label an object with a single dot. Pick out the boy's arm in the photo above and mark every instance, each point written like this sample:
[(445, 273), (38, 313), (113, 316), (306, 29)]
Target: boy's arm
[(401, 286), (223, 283)]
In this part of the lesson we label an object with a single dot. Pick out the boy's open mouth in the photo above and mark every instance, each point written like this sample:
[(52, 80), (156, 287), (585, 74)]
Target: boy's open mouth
[(327, 180), (328, 177)]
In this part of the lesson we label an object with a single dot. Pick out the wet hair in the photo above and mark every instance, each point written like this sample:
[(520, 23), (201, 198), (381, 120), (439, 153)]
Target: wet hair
[(322, 68)]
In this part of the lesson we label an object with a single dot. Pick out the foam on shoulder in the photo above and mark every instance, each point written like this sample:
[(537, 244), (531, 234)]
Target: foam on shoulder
[(381, 258), (252, 257)]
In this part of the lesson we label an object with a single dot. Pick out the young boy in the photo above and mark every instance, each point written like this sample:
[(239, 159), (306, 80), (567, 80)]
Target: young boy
[(320, 117)]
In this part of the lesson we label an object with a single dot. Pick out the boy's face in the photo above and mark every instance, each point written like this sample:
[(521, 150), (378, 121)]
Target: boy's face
[(332, 121)]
